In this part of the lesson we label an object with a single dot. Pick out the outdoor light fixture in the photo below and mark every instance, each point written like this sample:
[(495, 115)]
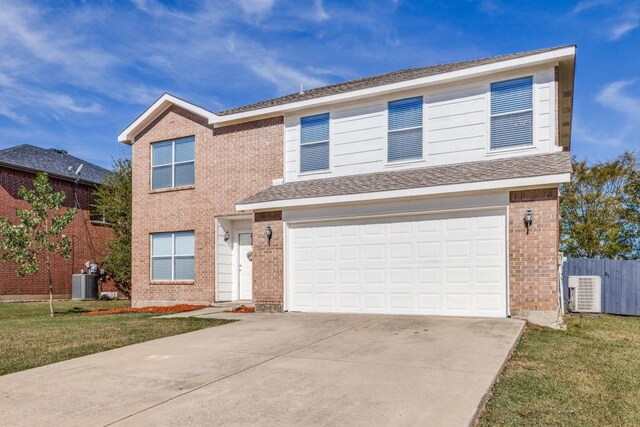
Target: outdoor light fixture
[(226, 235), (268, 232), (528, 219)]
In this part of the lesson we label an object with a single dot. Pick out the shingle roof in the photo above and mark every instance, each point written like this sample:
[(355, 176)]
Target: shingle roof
[(379, 80), (52, 161), (430, 176)]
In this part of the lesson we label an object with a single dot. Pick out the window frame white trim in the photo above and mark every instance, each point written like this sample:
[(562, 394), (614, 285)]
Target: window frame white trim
[(423, 136), (521, 147), (173, 163), (327, 141), (173, 255)]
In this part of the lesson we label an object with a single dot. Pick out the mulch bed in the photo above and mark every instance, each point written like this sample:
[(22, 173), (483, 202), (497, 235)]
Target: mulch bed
[(242, 309), (156, 309)]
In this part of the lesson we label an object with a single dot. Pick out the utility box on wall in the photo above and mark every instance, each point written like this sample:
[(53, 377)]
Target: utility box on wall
[(84, 287)]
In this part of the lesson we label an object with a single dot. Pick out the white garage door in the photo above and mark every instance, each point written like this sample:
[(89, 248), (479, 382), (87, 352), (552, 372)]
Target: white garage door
[(451, 264)]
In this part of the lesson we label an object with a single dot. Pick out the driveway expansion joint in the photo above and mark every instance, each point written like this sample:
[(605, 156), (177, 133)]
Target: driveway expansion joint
[(238, 372)]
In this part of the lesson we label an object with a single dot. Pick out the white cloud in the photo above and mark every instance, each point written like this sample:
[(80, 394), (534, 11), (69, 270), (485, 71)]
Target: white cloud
[(583, 5), (256, 8), (627, 23), (619, 18), (615, 132), (615, 97), (489, 7), (319, 12)]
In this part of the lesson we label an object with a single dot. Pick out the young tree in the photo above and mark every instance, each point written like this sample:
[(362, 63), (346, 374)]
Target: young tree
[(39, 233), (113, 198), (600, 209)]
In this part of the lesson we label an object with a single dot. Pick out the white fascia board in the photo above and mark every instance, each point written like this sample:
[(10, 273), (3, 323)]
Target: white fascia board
[(411, 192), (551, 56), (165, 101)]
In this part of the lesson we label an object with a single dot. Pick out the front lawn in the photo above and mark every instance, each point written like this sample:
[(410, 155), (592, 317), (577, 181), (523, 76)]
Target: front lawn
[(588, 375), (30, 338)]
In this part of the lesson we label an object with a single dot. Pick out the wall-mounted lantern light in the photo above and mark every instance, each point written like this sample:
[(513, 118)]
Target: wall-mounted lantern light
[(269, 233), (528, 219), (227, 236)]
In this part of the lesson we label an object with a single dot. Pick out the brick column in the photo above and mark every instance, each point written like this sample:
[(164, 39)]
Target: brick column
[(533, 257), (268, 262)]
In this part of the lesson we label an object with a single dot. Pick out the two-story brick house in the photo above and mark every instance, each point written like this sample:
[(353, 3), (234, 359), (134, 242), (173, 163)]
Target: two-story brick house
[(88, 232), (431, 190)]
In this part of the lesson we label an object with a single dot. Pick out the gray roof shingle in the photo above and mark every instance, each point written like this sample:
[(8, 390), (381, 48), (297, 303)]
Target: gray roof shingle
[(52, 161), (379, 80), (430, 176)]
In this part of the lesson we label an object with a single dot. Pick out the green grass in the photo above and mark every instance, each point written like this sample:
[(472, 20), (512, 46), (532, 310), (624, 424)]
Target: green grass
[(30, 338), (587, 375)]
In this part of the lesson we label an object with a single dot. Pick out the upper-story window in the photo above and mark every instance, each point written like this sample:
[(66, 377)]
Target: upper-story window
[(405, 129), (314, 143), (172, 256), (512, 113), (173, 163)]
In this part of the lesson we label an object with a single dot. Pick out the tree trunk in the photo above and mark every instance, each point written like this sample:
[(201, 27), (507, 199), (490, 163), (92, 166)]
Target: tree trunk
[(52, 313)]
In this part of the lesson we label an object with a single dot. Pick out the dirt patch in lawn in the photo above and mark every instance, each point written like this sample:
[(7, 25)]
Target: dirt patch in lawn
[(242, 309)]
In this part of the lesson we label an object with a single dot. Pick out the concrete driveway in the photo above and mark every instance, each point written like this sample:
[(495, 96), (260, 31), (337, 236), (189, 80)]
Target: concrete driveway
[(276, 369)]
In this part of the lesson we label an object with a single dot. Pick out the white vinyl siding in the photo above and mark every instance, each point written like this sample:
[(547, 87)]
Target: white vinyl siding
[(173, 163), (314, 143), (405, 129), (512, 113), (172, 256), (456, 128)]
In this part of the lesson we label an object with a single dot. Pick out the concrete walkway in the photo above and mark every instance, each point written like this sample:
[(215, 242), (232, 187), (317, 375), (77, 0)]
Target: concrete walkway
[(276, 369)]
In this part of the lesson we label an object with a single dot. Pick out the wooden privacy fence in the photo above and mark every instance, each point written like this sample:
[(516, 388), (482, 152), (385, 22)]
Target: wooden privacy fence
[(620, 282)]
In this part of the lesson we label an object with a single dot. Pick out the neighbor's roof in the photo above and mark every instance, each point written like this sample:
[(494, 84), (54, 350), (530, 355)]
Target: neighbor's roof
[(52, 161), (430, 176), (381, 79)]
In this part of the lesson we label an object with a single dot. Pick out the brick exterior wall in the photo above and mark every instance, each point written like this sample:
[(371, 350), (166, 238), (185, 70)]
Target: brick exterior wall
[(237, 161), (533, 258), (231, 163), (88, 239), (268, 262)]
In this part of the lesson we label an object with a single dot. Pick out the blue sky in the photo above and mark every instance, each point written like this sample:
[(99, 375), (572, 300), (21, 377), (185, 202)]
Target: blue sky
[(73, 74)]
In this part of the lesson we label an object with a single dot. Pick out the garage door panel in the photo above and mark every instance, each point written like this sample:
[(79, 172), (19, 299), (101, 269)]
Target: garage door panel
[(446, 264), (429, 301), (428, 276), (374, 275), (374, 301), (488, 302)]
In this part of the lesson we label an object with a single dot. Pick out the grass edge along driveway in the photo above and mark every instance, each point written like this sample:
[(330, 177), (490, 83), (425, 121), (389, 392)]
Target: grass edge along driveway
[(586, 375), (30, 338)]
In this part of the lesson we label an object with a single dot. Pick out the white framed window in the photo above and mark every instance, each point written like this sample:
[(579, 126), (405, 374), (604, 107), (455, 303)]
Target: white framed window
[(173, 256), (405, 129), (512, 113), (173, 163), (314, 143)]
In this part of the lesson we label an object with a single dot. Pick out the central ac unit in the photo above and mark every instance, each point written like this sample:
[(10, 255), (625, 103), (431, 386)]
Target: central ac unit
[(584, 294)]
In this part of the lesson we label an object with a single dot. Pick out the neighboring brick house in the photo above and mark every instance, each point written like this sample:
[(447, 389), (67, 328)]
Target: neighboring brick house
[(18, 167), (403, 193)]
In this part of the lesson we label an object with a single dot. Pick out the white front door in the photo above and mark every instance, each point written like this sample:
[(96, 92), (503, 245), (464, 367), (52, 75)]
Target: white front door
[(445, 264), (245, 269)]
